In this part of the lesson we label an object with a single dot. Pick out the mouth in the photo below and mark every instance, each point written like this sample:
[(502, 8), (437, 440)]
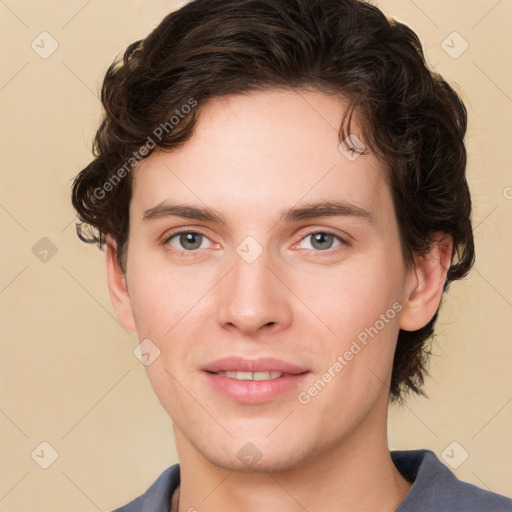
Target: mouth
[(254, 381)]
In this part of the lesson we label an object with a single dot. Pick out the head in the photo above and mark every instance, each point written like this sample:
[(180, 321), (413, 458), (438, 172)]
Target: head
[(253, 111)]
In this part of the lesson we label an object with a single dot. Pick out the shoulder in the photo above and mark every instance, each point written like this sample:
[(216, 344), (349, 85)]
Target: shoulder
[(158, 497), (436, 488)]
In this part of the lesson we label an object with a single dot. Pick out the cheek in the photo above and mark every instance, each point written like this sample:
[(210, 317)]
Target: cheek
[(161, 297), (361, 306), (168, 310), (353, 296)]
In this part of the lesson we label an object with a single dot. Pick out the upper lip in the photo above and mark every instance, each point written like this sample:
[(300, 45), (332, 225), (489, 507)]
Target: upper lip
[(264, 364)]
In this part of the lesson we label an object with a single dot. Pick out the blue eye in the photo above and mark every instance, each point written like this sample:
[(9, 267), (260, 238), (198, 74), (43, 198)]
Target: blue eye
[(323, 240), (187, 241)]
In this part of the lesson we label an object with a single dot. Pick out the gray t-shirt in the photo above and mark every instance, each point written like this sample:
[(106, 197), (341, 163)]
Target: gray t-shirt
[(435, 489)]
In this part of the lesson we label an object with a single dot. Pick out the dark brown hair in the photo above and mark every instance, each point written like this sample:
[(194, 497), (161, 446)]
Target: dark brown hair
[(410, 117)]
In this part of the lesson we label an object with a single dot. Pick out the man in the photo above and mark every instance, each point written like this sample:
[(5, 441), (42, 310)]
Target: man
[(280, 188)]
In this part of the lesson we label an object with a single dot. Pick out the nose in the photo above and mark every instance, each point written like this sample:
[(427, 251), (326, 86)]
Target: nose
[(253, 297)]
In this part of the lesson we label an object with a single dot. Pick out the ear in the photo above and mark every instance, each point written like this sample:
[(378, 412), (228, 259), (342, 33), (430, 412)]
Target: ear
[(424, 284), (117, 287)]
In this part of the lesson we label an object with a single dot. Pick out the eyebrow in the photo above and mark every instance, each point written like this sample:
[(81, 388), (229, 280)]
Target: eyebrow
[(325, 209), (307, 211)]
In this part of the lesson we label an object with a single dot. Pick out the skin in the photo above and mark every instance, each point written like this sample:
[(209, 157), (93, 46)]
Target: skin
[(251, 157)]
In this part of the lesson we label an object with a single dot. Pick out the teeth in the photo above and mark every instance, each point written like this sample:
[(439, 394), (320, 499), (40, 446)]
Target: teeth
[(266, 375), (251, 375)]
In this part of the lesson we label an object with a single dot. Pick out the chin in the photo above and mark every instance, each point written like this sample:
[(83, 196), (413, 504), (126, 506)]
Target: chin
[(252, 457), (267, 464)]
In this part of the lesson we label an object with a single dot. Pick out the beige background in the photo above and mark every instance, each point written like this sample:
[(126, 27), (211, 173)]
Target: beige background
[(68, 374)]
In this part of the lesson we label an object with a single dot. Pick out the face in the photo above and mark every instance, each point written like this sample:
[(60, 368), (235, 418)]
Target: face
[(266, 282)]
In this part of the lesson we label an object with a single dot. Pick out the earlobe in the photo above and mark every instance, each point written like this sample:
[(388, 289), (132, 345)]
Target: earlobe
[(117, 287), (424, 287)]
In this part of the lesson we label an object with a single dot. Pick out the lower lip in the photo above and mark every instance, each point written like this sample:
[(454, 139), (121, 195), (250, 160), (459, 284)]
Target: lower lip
[(255, 391)]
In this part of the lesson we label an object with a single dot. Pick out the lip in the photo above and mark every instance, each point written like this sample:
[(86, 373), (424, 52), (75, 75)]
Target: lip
[(251, 391), (263, 364)]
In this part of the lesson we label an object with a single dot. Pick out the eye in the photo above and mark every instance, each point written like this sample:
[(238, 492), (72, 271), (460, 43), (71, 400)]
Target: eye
[(187, 241), (323, 240)]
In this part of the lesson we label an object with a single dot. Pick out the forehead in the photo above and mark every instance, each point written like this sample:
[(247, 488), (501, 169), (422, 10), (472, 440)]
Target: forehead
[(261, 152)]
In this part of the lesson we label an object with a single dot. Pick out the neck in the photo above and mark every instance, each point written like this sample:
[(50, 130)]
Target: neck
[(356, 474)]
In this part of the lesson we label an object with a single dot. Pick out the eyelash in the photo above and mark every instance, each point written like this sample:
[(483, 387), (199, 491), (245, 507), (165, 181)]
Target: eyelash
[(187, 254)]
